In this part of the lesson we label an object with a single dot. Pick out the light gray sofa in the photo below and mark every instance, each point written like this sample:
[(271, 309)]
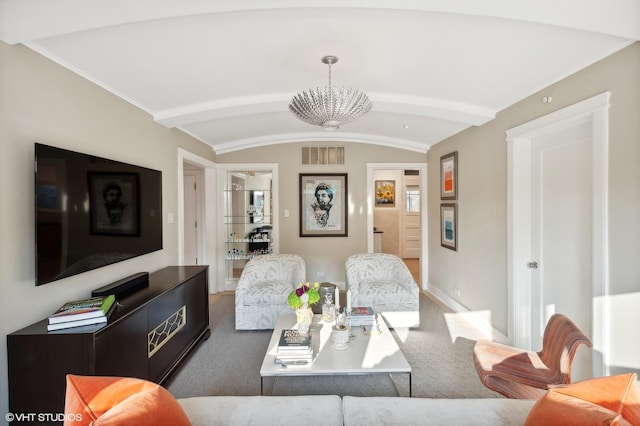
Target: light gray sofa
[(350, 411)]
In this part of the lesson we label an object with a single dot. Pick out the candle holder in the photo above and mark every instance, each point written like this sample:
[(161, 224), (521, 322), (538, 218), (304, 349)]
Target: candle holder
[(340, 336)]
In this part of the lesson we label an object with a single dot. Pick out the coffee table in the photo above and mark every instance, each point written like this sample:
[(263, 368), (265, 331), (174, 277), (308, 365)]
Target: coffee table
[(367, 354)]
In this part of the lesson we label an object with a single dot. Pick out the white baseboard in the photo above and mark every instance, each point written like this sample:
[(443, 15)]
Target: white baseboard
[(484, 328)]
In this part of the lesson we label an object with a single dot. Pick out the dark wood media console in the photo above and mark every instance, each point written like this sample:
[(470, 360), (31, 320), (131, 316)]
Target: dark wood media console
[(150, 333)]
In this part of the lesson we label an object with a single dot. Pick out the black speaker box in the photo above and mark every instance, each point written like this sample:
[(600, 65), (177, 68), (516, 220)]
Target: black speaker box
[(124, 286)]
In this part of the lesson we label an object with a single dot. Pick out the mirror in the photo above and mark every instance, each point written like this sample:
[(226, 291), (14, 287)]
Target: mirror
[(256, 206)]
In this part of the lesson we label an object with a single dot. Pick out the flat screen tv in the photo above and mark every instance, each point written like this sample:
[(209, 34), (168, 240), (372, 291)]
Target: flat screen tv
[(91, 212)]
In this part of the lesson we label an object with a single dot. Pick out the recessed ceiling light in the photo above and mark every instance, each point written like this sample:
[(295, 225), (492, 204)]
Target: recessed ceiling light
[(406, 126)]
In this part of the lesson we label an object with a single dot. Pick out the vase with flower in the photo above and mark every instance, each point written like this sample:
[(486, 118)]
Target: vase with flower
[(301, 299)]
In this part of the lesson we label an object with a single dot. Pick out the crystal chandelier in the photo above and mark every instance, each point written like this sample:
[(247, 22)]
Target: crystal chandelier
[(330, 106)]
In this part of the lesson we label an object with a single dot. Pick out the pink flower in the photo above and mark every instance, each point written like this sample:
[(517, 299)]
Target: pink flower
[(301, 290)]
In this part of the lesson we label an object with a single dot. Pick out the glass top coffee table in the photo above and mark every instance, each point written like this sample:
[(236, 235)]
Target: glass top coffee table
[(377, 353)]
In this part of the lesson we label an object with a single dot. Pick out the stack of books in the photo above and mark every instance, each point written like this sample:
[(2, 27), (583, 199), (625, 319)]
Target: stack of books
[(294, 348), (362, 315), (95, 310)]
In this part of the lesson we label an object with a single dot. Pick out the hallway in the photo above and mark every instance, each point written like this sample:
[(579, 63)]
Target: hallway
[(414, 268)]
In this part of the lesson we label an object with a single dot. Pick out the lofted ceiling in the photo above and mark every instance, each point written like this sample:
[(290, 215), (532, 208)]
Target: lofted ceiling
[(224, 71)]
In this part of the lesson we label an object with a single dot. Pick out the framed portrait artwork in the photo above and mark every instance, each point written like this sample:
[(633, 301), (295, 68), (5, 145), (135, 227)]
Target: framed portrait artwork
[(385, 191), (449, 176), (449, 226), (114, 203), (323, 205)]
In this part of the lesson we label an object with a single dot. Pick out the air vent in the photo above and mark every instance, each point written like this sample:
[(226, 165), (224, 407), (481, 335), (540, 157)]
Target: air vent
[(329, 155)]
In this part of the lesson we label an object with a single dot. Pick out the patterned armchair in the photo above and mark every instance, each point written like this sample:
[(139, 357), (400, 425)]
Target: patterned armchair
[(384, 282), (265, 283)]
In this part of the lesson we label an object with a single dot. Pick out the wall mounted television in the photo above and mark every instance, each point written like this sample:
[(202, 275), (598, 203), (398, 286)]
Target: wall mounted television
[(92, 212)]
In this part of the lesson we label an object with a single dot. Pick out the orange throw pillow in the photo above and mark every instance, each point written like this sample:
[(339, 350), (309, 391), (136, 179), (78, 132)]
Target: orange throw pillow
[(107, 401), (611, 400)]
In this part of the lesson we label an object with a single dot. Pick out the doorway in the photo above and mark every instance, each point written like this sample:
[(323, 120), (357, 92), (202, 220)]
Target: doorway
[(557, 226), (197, 240), (396, 238), (248, 208), (411, 224)]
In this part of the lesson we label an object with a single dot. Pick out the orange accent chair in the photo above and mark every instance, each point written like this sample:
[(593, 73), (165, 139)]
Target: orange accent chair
[(522, 374)]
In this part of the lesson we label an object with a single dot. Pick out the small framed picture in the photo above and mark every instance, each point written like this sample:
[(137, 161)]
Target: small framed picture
[(323, 205), (449, 176), (385, 193), (449, 226)]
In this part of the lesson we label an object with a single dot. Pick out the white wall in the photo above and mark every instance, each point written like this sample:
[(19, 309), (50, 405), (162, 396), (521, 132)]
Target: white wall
[(42, 102)]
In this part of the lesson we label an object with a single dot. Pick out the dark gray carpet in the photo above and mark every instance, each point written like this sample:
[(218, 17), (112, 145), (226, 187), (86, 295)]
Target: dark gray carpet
[(228, 363)]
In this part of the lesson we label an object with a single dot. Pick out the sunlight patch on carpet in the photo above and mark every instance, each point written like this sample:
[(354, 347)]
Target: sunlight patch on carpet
[(475, 325)]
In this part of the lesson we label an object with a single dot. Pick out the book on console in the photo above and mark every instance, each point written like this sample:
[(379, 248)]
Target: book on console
[(82, 324), (90, 328), (293, 340), (77, 323), (94, 307)]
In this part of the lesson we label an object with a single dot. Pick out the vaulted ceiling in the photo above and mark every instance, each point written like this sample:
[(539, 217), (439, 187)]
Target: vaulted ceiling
[(224, 71)]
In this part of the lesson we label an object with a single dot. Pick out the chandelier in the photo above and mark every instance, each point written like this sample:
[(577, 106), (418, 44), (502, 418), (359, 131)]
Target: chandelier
[(330, 106)]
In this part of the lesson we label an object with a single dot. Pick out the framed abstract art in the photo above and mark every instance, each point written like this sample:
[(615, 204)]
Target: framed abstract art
[(449, 226), (449, 176)]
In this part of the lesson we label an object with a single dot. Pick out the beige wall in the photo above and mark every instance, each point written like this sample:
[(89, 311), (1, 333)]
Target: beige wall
[(43, 102), (323, 254), (479, 266)]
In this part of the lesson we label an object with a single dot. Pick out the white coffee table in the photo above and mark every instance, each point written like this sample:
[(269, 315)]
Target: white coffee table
[(367, 354)]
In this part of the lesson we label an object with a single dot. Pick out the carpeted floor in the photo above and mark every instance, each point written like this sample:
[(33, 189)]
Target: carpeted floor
[(228, 363)]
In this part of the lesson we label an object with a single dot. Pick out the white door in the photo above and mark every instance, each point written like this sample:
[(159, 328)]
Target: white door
[(561, 241), (557, 226), (191, 209), (410, 205)]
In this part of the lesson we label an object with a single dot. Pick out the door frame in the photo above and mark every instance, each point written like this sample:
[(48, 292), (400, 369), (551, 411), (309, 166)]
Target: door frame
[(208, 228), (223, 170), (594, 111), (424, 246)]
